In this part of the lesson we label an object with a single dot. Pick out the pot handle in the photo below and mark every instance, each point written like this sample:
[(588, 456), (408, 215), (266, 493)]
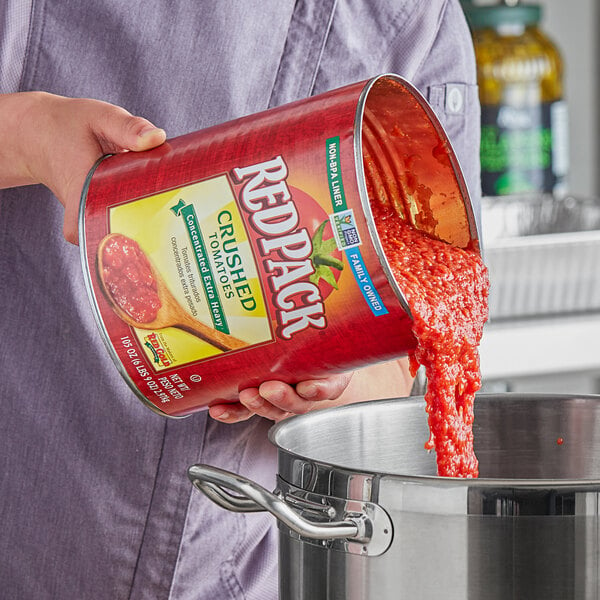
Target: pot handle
[(217, 485)]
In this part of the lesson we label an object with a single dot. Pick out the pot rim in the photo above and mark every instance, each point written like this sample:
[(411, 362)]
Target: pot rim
[(436, 480)]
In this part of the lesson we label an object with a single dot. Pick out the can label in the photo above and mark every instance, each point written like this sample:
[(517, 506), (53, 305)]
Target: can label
[(210, 241), (198, 245)]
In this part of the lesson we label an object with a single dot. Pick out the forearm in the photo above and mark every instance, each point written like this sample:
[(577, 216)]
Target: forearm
[(384, 380), (15, 110)]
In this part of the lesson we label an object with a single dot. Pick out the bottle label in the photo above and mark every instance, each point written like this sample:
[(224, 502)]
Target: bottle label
[(524, 149)]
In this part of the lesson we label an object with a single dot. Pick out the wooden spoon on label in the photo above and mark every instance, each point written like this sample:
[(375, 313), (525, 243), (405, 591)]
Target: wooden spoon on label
[(170, 313)]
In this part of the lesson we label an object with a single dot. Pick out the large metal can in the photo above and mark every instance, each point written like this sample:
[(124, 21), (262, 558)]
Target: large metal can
[(247, 251), (362, 514)]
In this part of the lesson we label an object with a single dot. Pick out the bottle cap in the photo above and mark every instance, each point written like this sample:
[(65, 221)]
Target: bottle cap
[(494, 15)]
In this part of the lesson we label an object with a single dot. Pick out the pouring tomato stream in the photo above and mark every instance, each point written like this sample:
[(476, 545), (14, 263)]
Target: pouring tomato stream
[(446, 288)]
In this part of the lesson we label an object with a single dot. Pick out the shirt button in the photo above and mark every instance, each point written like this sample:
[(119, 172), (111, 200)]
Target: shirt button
[(454, 99)]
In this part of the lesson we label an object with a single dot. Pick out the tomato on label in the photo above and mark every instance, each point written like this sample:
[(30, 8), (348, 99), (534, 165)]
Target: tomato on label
[(128, 278), (325, 257)]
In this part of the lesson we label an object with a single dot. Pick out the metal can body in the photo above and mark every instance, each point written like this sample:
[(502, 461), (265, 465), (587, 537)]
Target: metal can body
[(257, 249)]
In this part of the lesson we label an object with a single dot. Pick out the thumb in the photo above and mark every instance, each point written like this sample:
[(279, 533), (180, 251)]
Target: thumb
[(147, 136), (116, 129)]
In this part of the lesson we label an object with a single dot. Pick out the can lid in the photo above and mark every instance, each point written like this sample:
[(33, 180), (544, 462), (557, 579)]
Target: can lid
[(494, 15)]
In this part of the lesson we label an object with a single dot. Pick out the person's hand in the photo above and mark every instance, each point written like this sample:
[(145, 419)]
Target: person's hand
[(55, 141), (276, 400)]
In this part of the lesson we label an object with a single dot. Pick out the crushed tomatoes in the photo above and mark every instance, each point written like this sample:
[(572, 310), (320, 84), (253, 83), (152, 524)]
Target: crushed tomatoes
[(447, 289)]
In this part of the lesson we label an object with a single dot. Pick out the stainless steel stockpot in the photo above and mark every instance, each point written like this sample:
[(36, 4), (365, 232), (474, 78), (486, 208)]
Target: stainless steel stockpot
[(362, 514)]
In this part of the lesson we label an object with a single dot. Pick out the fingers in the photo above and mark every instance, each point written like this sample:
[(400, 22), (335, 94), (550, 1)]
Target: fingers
[(230, 413), (269, 403), (276, 400), (250, 404), (329, 388)]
